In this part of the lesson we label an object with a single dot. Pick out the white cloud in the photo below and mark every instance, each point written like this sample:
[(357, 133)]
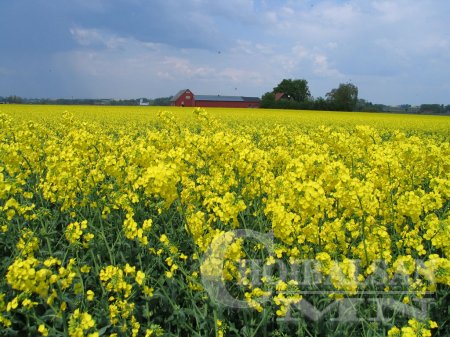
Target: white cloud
[(336, 15), (252, 48), (395, 12), (287, 11), (156, 69), (271, 17), (183, 67), (91, 37), (241, 75), (322, 67), (86, 37)]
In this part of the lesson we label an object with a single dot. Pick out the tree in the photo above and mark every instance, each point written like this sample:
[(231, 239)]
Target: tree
[(268, 100), (344, 98), (432, 108), (298, 90), (162, 101), (321, 104), (14, 99)]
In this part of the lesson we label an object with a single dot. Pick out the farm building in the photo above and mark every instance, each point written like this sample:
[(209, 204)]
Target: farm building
[(187, 98), (281, 95)]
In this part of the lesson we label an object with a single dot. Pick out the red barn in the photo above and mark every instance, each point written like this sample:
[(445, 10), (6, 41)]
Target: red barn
[(183, 98), (187, 98)]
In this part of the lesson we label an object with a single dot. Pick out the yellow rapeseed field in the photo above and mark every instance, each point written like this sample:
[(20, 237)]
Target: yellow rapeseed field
[(164, 221)]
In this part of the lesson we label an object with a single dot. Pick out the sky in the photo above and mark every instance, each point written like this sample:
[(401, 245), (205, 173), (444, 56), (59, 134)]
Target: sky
[(394, 51)]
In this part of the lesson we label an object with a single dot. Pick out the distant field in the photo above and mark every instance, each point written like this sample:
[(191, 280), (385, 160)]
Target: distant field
[(260, 116), (146, 221)]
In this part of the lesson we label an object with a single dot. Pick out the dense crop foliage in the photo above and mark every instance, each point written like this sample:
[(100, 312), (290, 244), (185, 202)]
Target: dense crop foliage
[(120, 222)]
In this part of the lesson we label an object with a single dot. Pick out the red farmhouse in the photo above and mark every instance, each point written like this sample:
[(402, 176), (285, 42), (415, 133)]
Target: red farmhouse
[(187, 98)]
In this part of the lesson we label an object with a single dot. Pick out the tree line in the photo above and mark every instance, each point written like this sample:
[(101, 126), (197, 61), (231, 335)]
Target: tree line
[(295, 94), (13, 99)]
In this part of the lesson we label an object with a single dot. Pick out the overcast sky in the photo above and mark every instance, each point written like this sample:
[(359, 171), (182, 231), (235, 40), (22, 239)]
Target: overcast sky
[(395, 51)]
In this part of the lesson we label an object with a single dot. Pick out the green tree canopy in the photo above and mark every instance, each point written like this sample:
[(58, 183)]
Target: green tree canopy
[(298, 90), (343, 98), (268, 100)]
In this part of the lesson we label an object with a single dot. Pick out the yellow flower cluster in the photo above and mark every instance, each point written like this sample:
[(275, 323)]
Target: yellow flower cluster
[(256, 297), (118, 282), (3, 320), (133, 231), (212, 266), (80, 323), (28, 243), (413, 329), (288, 294), (76, 231), (114, 279), (33, 276)]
